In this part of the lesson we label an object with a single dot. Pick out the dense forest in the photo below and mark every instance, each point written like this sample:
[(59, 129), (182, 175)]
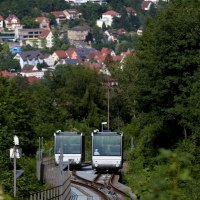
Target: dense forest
[(156, 102)]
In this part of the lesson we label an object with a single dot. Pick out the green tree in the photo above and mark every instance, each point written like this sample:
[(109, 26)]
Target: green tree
[(79, 96), (165, 78), (91, 12), (29, 22), (164, 82), (6, 60)]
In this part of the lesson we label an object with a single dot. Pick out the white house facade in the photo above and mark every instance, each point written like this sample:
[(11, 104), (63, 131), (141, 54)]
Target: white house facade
[(107, 18), (78, 2), (12, 22), (29, 58), (38, 73), (1, 23)]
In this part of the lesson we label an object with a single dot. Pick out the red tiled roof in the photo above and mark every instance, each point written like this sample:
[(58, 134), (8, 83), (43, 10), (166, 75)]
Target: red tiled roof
[(7, 74), (58, 14), (72, 11), (105, 50), (121, 31), (111, 12), (146, 4), (45, 33), (10, 17), (61, 53), (41, 19), (100, 57), (70, 51), (130, 10), (31, 79), (117, 58)]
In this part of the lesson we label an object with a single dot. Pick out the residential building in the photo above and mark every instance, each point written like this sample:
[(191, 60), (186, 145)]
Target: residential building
[(78, 33), (37, 73), (28, 67), (146, 5), (27, 33), (107, 51), (30, 58), (45, 39), (1, 23), (140, 31), (12, 22), (130, 11), (72, 13), (107, 18), (49, 60), (113, 34), (71, 53), (78, 2), (7, 74), (59, 16), (71, 61), (35, 37), (84, 53), (44, 22), (59, 54)]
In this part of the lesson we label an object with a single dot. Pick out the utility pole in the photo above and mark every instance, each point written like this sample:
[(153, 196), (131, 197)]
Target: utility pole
[(15, 170), (16, 143), (61, 166), (108, 105)]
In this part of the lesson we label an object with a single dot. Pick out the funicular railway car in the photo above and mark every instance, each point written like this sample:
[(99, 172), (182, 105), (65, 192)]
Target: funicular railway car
[(107, 151), (69, 146)]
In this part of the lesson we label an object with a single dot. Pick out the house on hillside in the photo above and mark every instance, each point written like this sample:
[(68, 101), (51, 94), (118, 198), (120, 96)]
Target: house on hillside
[(45, 39), (100, 56), (107, 51), (12, 22), (35, 37), (107, 18), (59, 16), (49, 60), (146, 5), (78, 33), (130, 11), (7, 74), (44, 22), (1, 23), (24, 34), (72, 13), (29, 58), (113, 34), (71, 53), (140, 31), (71, 61), (59, 54), (84, 53), (37, 73), (78, 2), (28, 67)]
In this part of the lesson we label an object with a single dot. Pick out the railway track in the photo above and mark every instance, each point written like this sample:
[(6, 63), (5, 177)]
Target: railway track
[(102, 185)]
